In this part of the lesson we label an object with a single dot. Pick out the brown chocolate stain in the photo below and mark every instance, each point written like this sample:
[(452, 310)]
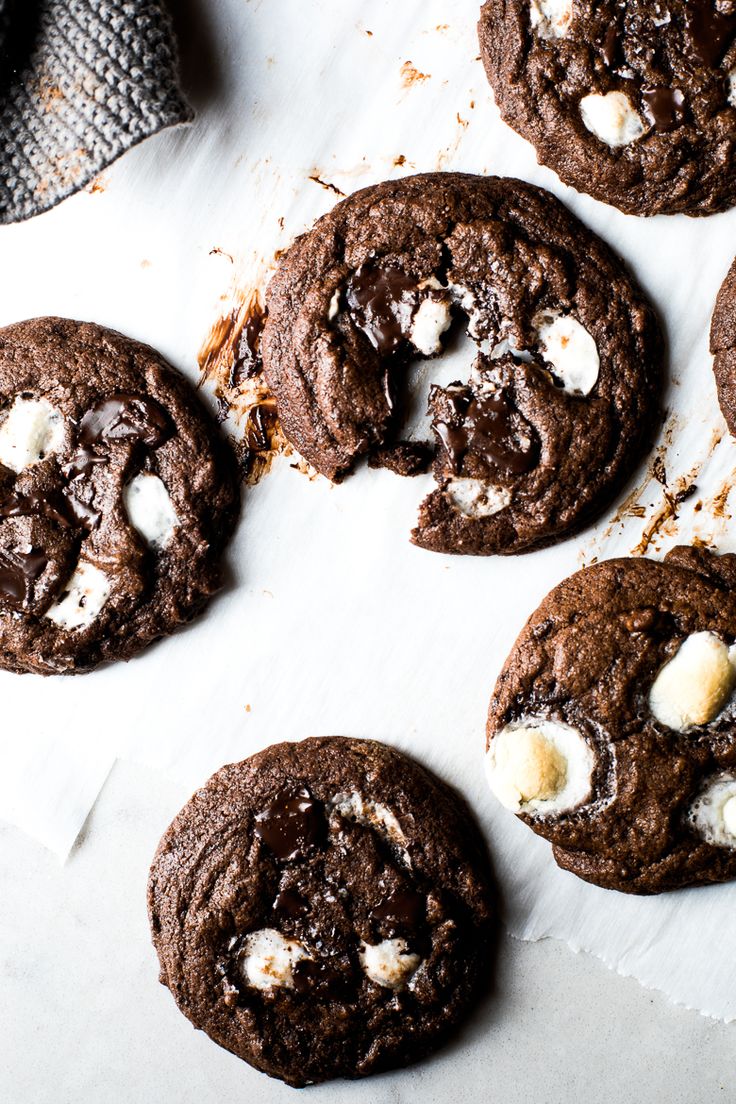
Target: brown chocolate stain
[(410, 75), (710, 510), (662, 523), (719, 502), (218, 252), (631, 506), (229, 360), (99, 184), (446, 155), (326, 184)]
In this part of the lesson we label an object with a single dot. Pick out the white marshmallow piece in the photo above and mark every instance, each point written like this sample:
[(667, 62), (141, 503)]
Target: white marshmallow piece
[(550, 18), (269, 959), (612, 118), (353, 806), (732, 88), (713, 813), (540, 766), (334, 308), (694, 686), (32, 430), (475, 499), (389, 964), (84, 596), (432, 319), (465, 299), (506, 345), (570, 349), (150, 509), (729, 815)]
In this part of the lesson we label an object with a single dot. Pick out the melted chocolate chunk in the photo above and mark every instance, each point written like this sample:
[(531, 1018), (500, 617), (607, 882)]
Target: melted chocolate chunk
[(491, 426), (649, 621), (405, 908), (666, 106), (61, 507), (315, 975), (18, 573), (292, 824), (82, 463), (247, 361), (609, 47), (126, 417), (260, 427), (52, 505), (382, 301), (711, 32), (291, 903), (85, 515)]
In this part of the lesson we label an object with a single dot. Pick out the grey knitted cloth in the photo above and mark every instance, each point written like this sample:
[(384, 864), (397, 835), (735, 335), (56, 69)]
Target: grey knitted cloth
[(81, 81)]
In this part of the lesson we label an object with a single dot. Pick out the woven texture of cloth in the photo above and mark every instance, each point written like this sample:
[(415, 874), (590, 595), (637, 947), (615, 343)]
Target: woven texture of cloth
[(81, 81)]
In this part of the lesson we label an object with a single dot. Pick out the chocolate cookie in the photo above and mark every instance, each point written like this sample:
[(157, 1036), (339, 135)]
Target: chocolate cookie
[(723, 347), (612, 727), (117, 497), (323, 910), (561, 401), (634, 103)]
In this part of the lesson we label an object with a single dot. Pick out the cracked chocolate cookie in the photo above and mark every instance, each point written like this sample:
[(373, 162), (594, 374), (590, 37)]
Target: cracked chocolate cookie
[(612, 727), (723, 347), (117, 497), (323, 910), (633, 103), (563, 397)]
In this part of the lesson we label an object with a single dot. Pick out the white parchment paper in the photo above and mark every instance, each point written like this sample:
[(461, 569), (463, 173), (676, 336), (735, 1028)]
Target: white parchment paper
[(332, 622)]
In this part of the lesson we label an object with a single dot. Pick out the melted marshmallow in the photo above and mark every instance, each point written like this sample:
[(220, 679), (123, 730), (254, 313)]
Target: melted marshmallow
[(268, 959), (432, 319), (150, 509), (84, 596), (32, 430), (612, 118), (476, 499), (713, 813), (353, 806), (694, 686), (389, 963), (570, 349), (540, 766), (550, 18)]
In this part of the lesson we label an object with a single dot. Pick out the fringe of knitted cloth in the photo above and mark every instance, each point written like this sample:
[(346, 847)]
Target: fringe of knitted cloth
[(81, 82)]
